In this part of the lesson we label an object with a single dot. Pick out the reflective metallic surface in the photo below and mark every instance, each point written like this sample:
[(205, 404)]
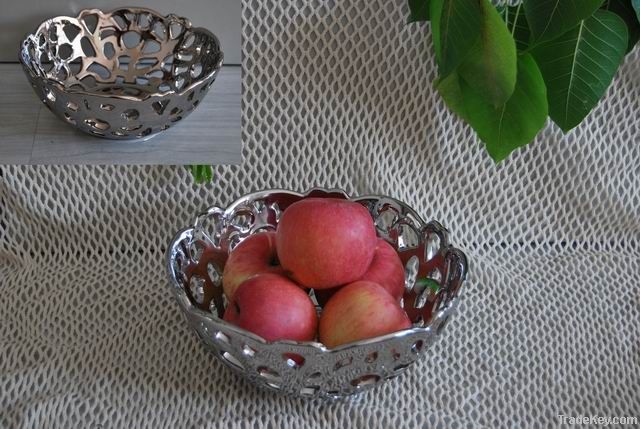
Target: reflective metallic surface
[(127, 74), (196, 258)]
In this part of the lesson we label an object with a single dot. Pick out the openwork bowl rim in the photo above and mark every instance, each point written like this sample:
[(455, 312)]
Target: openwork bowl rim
[(146, 95)]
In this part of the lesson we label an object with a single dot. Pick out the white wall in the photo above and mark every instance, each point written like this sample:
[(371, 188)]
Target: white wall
[(19, 17)]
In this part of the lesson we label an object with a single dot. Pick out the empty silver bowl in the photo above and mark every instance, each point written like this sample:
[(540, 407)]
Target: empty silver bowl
[(126, 74), (196, 258)]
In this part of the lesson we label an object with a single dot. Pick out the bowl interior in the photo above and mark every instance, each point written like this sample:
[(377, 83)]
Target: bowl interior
[(131, 52)]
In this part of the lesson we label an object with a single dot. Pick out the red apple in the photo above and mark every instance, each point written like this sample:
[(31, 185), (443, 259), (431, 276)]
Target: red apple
[(386, 269), (255, 255), (360, 310), (273, 307), (325, 242)]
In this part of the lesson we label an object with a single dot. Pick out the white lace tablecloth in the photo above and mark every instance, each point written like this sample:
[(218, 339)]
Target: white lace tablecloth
[(337, 94)]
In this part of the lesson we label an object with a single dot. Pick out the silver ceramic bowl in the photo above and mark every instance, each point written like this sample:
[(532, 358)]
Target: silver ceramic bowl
[(126, 74), (196, 258)]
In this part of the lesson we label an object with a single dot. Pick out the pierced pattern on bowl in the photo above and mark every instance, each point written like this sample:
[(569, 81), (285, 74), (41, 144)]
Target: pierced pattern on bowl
[(126, 74), (308, 369)]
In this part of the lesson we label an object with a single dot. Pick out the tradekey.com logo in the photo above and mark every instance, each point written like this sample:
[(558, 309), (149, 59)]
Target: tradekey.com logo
[(597, 420)]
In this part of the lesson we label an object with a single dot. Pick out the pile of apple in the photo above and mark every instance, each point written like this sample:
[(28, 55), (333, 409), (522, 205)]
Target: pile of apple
[(328, 245)]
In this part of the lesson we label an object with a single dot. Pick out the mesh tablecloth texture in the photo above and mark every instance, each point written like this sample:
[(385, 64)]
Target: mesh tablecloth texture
[(338, 94)]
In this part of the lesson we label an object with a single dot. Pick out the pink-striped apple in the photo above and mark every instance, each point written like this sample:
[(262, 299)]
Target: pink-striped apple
[(273, 307), (325, 242), (386, 269), (255, 255), (358, 311)]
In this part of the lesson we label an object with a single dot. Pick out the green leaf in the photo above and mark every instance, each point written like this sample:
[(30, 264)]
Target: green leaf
[(517, 24), (624, 9), (455, 25), (419, 10), (450, 90), (510, 126), (549, 19), (636, 6), (201, 173), (428, 283), (491, 66), (579, 66)]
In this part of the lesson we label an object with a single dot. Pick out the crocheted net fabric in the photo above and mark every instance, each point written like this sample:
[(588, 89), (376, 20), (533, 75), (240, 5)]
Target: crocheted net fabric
[(337, 94)]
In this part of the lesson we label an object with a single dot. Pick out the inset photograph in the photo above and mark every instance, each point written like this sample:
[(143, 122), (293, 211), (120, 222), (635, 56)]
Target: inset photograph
[(97, 83)]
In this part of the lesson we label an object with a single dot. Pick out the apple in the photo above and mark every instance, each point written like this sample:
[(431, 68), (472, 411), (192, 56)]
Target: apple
[(254, 255), (358, 311), (386, 269), (325, 242), (273, 307)]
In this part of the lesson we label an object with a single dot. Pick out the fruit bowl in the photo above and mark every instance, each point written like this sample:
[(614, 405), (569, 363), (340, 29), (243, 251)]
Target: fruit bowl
[(127, 74), (196, 258)]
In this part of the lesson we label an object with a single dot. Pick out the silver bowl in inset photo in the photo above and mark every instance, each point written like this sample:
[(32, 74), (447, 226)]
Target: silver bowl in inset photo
[(126, 74), (196, 259)]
